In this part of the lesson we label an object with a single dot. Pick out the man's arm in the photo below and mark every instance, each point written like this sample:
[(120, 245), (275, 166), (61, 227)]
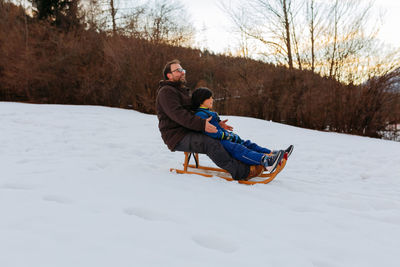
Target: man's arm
[(171, 103), (209, 127)]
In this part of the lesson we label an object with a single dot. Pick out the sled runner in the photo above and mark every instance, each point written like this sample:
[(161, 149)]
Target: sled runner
[(205, 171)]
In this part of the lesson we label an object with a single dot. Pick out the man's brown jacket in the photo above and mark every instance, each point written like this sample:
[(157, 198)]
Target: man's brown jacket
[(175, 118)]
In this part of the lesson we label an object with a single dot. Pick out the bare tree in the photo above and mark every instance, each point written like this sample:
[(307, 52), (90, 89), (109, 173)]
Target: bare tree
[(314, 20), (295, 38), (161, 21), (23, 6), (268, 21), (244, 46), (133, 21), (113, 11), (338, 37), (345, 37), (94, 15)]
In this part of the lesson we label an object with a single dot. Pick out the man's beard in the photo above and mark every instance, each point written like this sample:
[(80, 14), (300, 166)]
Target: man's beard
[(181, 82)]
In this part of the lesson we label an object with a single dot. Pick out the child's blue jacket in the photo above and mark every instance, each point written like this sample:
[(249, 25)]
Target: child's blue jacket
[(205, 113), (245, 151)]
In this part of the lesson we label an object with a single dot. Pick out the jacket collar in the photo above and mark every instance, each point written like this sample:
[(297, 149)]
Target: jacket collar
[(176, 85)]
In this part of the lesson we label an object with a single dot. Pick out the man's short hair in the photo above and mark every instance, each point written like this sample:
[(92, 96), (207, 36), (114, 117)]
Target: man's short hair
[(167, 68)]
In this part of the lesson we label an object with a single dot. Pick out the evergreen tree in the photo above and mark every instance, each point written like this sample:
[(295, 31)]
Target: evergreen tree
[(62, 13)]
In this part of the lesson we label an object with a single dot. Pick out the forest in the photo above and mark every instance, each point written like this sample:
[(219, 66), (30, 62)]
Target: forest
[(63, 52)]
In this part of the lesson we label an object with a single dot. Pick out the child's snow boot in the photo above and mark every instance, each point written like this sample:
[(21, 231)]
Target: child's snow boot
[(271, 162), (289, 150)]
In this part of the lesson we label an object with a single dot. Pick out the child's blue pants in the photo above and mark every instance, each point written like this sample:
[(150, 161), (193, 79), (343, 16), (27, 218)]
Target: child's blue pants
[(247, 152)]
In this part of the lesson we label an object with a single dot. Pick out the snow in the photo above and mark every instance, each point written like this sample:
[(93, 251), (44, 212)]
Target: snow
[(90, 186)]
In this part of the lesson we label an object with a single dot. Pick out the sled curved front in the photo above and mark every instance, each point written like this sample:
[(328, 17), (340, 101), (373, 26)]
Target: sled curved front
[(206, 171)]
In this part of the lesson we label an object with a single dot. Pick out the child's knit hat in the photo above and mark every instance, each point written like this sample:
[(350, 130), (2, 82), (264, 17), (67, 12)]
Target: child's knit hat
[(199, 95)]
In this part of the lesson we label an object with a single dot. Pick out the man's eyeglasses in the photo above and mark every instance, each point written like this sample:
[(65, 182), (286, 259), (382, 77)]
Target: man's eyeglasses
[(180, 70)]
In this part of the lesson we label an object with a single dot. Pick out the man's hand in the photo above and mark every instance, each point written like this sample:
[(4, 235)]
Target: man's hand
[(209, 127), (225, 126)]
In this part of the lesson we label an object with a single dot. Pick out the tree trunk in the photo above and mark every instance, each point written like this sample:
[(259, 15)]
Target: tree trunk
[(113, 13), (287, 37)]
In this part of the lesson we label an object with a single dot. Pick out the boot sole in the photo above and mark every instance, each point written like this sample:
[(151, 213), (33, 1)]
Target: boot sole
[(289, 150)]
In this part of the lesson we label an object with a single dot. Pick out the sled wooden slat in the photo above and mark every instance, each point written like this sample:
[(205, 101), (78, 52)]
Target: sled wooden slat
[(197, 169), (207, 168)]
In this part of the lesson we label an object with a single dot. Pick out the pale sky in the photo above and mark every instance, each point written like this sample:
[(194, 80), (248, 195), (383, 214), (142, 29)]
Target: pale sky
[(217, 37), (390, 29), (215, 28)]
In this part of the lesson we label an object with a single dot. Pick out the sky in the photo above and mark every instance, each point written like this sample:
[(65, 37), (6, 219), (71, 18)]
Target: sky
[(213, 24), (217, 35), (215, 30), (390, 31)]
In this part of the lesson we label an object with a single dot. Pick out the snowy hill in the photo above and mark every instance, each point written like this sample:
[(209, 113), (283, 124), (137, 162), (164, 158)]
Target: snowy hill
[(90, 186)]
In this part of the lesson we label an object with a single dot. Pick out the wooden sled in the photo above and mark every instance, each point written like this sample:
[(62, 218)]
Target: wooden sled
[(205, 171)]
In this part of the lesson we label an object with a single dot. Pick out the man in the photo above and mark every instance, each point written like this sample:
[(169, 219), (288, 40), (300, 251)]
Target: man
[(181, 130)]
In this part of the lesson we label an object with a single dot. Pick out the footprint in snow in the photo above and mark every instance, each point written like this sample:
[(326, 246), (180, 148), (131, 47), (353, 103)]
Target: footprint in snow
[(57, 199), (214, 242), (16, 186), (305, 209), (23, 161), (365, 176), (148, 215)]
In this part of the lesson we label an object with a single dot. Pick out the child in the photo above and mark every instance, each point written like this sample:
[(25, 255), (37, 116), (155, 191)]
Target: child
[(245, 151)]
